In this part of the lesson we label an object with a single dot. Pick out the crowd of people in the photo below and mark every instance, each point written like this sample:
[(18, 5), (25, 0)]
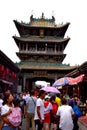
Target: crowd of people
[(41, 110)]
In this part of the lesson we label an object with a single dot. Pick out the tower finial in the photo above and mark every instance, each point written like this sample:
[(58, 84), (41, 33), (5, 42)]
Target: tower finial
[(53, 18), (31, 17), (42, 15)]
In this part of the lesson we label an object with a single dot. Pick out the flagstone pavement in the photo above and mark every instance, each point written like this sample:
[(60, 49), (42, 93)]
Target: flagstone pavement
[(81, 125)]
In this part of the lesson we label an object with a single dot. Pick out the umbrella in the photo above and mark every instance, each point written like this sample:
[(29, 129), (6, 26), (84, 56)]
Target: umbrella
[(76, 80), (62, 81), (50, 89)]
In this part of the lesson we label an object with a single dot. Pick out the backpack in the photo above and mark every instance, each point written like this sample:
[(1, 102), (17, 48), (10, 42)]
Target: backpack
[(15, 117), (77, 110)]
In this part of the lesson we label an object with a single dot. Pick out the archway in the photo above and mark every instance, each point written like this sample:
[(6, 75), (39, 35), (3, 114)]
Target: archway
[(30, 82)]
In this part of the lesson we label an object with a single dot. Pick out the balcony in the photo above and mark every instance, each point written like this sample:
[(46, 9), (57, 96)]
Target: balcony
[(33, 51)]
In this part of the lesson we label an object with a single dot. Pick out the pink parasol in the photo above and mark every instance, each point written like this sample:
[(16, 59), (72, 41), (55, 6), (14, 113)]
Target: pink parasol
[(50, 89)]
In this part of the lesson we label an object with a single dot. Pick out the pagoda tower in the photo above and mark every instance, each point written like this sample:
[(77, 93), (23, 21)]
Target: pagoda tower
[(41, 50)]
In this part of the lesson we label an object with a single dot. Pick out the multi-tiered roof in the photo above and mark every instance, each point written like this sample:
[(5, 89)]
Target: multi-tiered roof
[(41, 42)]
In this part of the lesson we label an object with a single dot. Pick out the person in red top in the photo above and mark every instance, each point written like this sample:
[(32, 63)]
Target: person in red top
[(47, 109), (54, 120)]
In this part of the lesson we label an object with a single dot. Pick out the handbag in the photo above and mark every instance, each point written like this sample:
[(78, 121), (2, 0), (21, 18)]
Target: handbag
[(77, 110)]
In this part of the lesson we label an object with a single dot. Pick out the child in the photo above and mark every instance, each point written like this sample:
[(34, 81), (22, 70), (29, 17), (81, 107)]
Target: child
[(47, 109), (13, 116)]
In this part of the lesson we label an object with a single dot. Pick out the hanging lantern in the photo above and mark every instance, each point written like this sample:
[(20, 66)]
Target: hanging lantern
[(2, 68), (13, 75), (7, 71)]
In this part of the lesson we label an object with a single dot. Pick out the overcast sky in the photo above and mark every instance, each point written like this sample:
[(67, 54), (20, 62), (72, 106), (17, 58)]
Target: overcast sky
[(73, 11)]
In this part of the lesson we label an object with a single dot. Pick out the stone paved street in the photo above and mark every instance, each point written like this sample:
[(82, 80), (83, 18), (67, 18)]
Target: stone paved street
[(81, 126), (23, 124)]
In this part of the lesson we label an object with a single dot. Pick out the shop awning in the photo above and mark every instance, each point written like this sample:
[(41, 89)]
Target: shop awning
[(76, 80), (6, 82)]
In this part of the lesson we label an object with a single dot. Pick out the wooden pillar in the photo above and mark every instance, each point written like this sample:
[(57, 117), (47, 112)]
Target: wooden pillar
[(46, 47), (27, 84), (73, 90), (26, 46), (67, 89), (24, 82), (59, 48), (55, 48), (36, 47)]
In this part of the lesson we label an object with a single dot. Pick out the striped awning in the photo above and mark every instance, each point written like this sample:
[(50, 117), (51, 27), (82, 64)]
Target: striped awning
[(6, 82), (76, 80)]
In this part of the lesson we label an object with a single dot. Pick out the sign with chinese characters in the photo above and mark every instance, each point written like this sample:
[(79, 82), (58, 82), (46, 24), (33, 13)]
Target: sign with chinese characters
[(40, 73)]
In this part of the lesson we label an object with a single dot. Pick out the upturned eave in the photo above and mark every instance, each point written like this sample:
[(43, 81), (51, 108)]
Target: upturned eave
[(23, 28), (44, 66), (41, 40)]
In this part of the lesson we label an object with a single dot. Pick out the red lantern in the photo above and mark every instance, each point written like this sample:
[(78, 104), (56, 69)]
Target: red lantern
[(7, 71), (13, 75), (2, 68)]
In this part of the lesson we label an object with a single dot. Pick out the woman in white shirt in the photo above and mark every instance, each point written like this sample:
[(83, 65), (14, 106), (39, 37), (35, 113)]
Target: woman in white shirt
[(5, 111)]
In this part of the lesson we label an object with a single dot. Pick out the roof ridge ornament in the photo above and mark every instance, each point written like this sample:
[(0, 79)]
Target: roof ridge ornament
[(42, 15), (31, 17), (53, 18)]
